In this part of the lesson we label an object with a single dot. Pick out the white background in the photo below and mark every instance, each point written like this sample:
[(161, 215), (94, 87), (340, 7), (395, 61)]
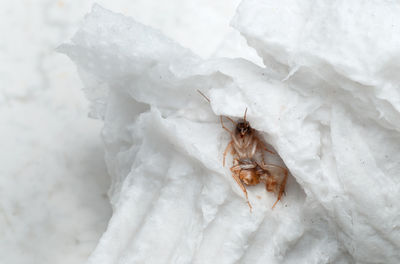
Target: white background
[(53, 181)]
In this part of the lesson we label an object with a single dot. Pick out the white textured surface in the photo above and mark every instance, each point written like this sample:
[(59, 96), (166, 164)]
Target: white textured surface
[(327, 101), (53, 179)]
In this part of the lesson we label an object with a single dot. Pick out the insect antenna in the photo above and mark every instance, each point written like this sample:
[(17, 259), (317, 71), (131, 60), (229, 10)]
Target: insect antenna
[(245, 113), (208, 99)]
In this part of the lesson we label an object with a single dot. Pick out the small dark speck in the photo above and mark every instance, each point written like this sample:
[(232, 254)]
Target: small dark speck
[(160, 77)]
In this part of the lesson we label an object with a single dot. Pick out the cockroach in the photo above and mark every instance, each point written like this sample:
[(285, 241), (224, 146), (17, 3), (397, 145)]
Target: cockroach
[(244, 145), (247, 169)]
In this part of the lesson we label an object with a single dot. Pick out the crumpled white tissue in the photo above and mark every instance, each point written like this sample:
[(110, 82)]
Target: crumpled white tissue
[(327, 100)]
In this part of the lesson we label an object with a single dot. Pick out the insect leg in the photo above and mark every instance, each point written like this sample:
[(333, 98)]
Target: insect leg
[(283, 184), (224, 127), (239, 182), (230, 119), (272, 166), (226, 151), (282, 189), (262, 145)]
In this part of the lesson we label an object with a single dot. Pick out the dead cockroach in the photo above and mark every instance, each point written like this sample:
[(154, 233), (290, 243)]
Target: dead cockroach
[(247, 169), (244, 145)]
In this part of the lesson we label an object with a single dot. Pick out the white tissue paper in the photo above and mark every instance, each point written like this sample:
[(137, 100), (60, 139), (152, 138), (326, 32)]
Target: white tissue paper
[(327, 100)]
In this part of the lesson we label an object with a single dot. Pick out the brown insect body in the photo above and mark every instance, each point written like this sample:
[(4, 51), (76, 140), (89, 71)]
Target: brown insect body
[(246, 168), (247, 171), (244, 141)]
